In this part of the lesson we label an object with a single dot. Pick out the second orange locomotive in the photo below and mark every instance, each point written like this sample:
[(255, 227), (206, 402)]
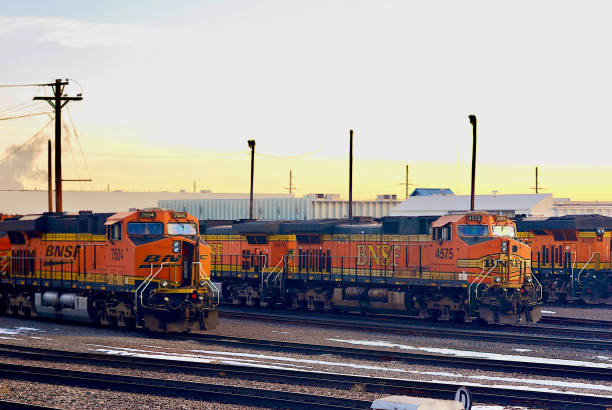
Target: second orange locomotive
[(456, 267)]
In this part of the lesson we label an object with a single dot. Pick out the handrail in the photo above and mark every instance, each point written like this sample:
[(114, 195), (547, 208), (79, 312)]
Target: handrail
[(539, 284), (267, 280), (572, 274), (483, 277), (4, 263), (584, 266), (148, 281), (214, 289)]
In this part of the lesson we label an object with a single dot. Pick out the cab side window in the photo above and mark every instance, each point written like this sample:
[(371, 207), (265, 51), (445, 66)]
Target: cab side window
[(446, 233), (114, 232), (442, 234)]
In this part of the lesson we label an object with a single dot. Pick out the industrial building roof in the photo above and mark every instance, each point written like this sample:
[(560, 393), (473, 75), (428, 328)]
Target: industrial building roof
[(431, 191), (529, 204), (565, 222)]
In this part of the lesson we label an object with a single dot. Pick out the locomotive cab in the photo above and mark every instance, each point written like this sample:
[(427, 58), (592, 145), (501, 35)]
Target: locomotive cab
[(493, 262), (172, 268)]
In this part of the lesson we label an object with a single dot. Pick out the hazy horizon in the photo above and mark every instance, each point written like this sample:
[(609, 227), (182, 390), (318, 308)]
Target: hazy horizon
[(172, 93)]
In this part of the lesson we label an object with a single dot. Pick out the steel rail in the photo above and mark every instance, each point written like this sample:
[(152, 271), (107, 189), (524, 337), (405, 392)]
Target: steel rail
[(524, 367), (606, 324), (176, 388), (605, 342), (208, 392), (511, 366), (8, 404)]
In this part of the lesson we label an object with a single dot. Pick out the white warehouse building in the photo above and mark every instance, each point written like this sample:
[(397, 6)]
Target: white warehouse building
[(314, 206)]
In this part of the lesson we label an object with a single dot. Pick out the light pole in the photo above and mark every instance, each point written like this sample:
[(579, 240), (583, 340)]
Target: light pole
[(473, 122), (252, 146)]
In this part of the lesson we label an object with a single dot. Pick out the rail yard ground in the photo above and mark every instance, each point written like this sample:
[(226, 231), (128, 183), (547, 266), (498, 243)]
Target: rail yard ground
[(61, 336)]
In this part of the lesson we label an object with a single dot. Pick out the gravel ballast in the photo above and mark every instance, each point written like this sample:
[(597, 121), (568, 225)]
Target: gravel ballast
[(70, 337)]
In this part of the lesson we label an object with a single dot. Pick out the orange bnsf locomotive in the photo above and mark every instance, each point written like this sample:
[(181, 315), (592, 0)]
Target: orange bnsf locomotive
[(142, 268), (571, 256), (456, 267)]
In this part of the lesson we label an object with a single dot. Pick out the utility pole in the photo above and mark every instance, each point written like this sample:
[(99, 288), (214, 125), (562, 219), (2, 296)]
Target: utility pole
[(58, 101), (290, 182), (473, 122), (350, 210), (537, 187), (252, 146), (407, 183)]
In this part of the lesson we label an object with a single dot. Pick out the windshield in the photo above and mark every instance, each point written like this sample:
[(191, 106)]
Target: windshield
[(182, 228), (502, 230), (473, 230), (145, 228)]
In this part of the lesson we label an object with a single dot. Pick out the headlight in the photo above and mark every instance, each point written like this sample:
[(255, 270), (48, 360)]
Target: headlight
[(164, 284), (497, 279), (504, 246), (176, 246)]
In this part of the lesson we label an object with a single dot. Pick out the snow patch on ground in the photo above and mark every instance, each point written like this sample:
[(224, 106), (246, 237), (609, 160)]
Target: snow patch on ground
[(18, 330), (548, 312), (522, 350), (288, 363), (469, 353)]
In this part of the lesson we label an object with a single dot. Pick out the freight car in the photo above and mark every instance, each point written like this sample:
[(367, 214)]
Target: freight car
[(455, 267), (143, 268), (571, 256)]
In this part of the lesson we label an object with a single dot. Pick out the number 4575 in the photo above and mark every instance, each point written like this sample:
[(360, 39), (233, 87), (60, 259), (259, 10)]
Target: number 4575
[(444, 253)]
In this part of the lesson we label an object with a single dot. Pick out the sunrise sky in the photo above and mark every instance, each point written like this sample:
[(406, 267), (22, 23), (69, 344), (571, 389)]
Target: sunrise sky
[(173, 91)]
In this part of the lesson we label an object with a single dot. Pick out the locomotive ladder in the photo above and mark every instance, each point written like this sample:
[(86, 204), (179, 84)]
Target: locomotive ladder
[(4, 263), (584, 266), (479, 282), (145, 283), (206, 278), (274, 275)]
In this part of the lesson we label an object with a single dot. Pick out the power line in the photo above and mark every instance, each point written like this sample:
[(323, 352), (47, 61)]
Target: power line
[(16, 150), (164, 156), (22, 85), (76, 136), (14, 107), (25, 115), (26, 109), (259, 154)]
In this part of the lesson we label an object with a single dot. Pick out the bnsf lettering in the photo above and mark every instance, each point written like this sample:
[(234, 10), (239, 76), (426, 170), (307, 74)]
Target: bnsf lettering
[(377, 255), (158, 258), (58, 251), (216, 248), (514, 263)]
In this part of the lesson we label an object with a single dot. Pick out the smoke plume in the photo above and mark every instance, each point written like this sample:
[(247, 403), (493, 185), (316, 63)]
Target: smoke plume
[(21, 166)]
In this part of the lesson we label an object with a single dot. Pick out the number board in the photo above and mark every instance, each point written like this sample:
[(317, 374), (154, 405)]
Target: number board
[(147, 215), (501, 218), (474, 218), (176, 215)]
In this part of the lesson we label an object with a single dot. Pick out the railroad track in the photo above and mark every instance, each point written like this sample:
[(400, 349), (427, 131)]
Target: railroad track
[(527, 367), (569, 337), (267, 398), (553, 320)]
